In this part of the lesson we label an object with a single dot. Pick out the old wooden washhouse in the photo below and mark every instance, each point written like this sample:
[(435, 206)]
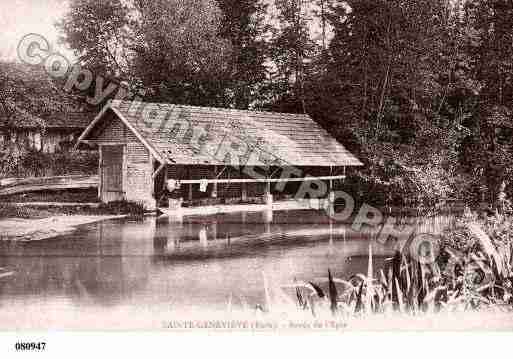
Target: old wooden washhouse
[(181, 156)]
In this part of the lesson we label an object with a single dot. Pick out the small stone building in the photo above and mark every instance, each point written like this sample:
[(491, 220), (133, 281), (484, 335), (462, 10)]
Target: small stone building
[(41, 116), (157, 153), (59, 131)]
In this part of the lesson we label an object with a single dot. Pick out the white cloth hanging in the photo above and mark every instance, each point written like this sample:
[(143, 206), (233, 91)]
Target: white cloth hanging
[(173, 185), (203, 185)]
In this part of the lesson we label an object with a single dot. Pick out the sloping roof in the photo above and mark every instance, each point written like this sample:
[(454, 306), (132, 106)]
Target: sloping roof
[(78, 120), (73, 120), (273, 138)]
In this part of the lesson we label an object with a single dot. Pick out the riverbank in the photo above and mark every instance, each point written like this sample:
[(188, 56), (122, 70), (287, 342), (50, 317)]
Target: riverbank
[(37, 221), (132, 273), (35, 229)]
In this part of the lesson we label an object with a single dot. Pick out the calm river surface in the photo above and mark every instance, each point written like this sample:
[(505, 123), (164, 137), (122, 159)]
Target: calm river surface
[(199, 262)]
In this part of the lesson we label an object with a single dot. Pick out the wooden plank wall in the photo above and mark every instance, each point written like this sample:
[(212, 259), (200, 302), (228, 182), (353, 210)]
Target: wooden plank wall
[(138, 170)]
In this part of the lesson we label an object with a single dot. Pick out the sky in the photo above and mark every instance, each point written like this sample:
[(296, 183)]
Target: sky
[(21, 17)]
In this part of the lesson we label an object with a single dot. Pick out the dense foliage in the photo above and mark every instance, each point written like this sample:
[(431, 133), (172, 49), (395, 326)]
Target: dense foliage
[(472, 270), (130, 210), (420, 90), (32, 163)]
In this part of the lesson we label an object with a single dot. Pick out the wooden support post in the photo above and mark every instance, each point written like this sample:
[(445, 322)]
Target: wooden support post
[(244, 190), (331, 196), (330, 245), (190, 186), (100, 174), (124, 174), (214, 185), (164, 188), (268, 196), (152, 166), (331, 180)]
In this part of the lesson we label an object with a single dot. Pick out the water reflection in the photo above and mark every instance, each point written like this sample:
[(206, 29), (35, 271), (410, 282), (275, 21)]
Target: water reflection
[(220, 235), (189, 261)]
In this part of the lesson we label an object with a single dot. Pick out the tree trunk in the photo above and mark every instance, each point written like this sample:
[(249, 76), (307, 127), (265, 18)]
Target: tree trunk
[(385, 81)]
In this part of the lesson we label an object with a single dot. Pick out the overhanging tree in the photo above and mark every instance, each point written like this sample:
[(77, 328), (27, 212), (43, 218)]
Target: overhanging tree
[(491, 51)]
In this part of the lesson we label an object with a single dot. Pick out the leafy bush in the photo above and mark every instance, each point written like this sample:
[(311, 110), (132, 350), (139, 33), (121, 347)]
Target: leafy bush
[(473, 271), (38, 164), (132, 209), (89, 195), (8, 210)]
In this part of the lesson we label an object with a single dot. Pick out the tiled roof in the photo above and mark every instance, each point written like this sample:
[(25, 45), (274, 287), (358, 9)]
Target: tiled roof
[(272, 138), (78, 120), (72, 120)]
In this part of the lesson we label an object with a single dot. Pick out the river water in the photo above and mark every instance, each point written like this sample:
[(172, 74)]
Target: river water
[(190, 263)]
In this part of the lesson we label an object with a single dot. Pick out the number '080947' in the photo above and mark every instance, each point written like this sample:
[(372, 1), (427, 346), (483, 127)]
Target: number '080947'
[(30, 346)]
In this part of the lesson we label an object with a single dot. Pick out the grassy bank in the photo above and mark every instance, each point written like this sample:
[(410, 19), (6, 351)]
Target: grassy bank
[(30, 223), (131, 209), (65, 196)]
